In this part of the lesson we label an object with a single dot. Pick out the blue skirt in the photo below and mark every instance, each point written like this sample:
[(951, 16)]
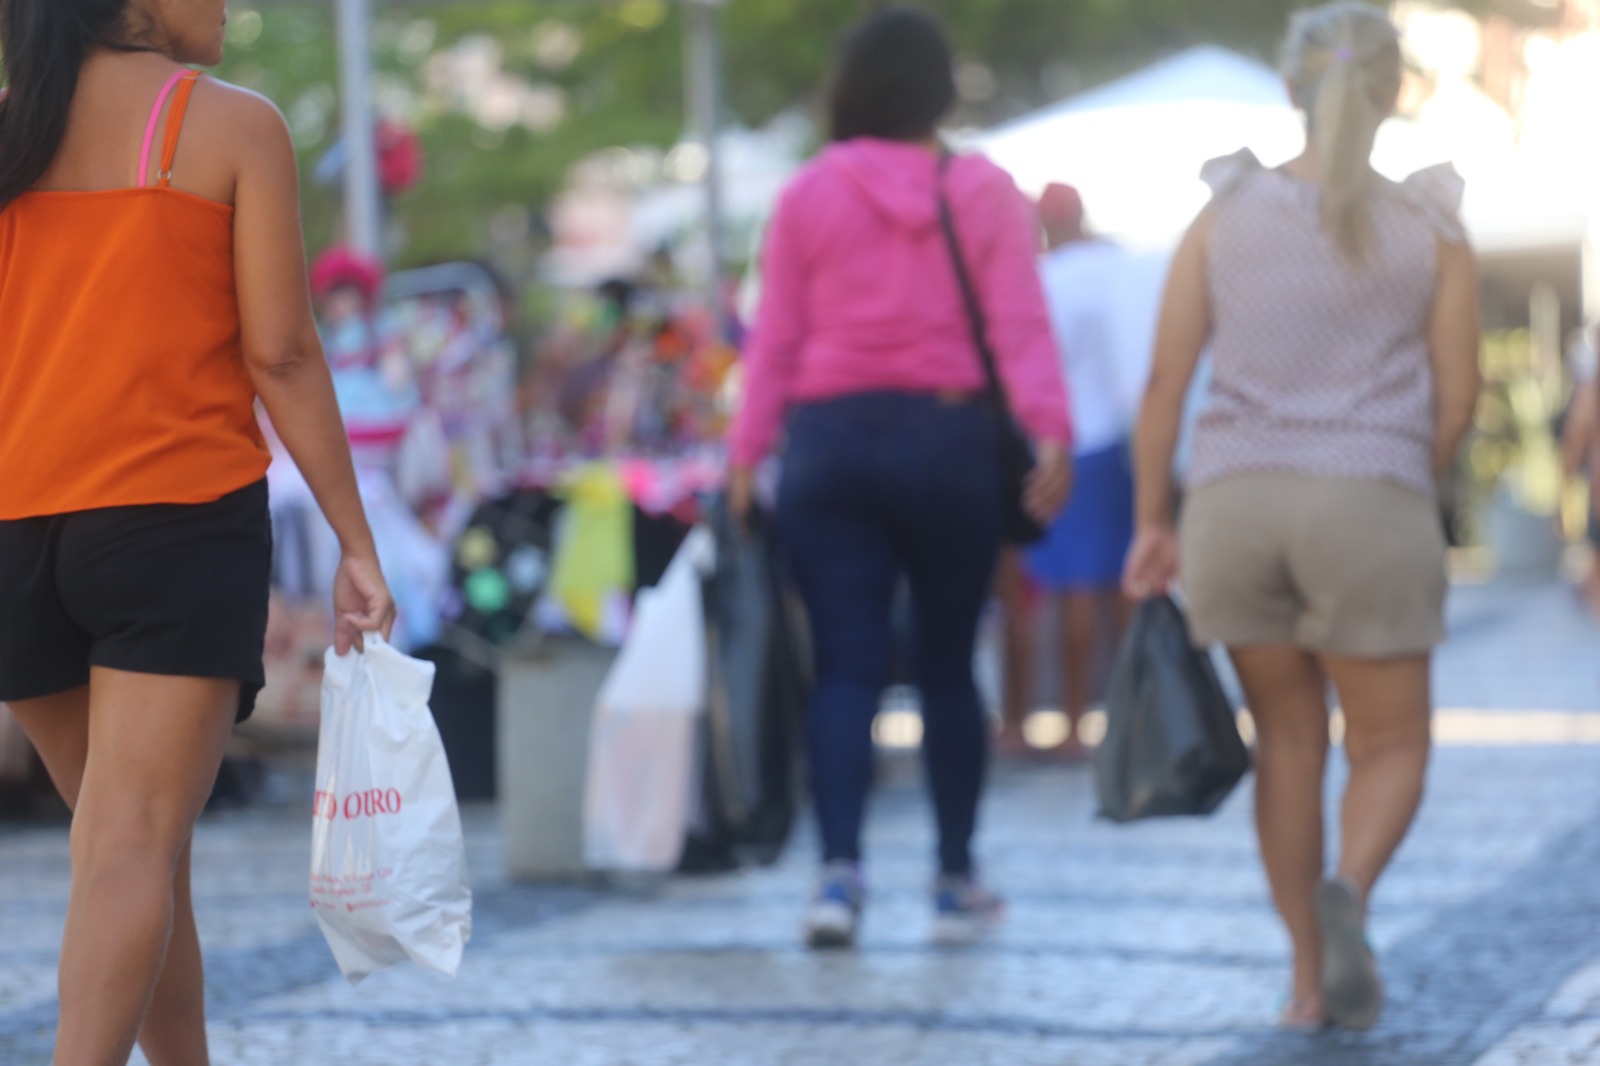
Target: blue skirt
[(1086, 546)]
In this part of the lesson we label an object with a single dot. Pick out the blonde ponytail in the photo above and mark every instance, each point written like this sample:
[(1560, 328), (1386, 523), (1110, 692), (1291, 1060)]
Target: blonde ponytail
[(1342, 61)]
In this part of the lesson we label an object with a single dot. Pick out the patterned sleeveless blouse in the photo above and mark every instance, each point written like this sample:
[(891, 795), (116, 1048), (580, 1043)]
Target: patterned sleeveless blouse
[(1320, 366)]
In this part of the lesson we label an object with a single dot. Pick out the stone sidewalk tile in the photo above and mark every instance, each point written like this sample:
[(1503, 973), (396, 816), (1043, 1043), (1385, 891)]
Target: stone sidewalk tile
[(1147, 945), (653, 1042), (1549, 1044), (1518, 647)]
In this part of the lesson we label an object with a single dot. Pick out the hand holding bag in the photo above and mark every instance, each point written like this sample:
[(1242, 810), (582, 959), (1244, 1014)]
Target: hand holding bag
[(388, 861), (1172, 744), (1016, 450)]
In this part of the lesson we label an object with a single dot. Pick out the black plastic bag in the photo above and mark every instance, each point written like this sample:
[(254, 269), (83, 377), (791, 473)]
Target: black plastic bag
[(1172, 744), (758, 687)]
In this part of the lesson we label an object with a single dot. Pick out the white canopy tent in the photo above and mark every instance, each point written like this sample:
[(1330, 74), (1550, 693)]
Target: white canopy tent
[(1134, 149)]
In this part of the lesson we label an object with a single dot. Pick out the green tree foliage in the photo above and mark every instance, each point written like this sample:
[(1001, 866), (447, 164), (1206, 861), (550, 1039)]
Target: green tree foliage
[(616, 67)]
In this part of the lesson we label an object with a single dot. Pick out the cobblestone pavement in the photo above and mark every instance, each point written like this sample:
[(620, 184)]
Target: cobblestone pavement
[(1151, 944)]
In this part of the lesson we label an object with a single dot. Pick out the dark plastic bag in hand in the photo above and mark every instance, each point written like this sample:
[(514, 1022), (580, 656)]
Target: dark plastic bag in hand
[(758, 687), (1172, 744)]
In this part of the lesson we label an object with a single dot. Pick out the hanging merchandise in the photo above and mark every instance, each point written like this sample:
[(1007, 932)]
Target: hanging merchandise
[(641, 775), (1172, 745), (414, 562), (423, 473), (502, 565), (388, 860), (592, 576)]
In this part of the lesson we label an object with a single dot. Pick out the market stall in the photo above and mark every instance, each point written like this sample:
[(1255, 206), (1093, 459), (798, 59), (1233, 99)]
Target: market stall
[(513, 503)]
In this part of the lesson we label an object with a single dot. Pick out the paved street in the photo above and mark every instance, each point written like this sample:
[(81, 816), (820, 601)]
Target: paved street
[(1151, 944)]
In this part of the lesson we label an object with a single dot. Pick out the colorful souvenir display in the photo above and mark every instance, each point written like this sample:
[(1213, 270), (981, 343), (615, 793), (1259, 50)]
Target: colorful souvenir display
[(498, 504)]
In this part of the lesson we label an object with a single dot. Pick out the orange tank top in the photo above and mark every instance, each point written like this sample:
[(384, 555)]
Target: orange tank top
[(122, 379)]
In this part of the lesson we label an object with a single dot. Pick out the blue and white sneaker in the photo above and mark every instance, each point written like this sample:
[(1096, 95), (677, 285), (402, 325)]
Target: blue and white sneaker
[(964, 910), (835, 910)]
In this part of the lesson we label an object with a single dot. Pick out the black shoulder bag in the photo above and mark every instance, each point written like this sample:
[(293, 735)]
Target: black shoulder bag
[(1016, 451)]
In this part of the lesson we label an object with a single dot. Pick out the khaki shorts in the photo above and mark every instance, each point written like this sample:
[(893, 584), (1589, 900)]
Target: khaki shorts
[(1338, 566)]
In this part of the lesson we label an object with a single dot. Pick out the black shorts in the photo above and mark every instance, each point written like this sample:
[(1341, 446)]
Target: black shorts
[(173, 589)]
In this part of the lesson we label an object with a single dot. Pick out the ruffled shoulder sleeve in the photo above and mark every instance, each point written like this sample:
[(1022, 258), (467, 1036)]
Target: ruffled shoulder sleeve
[(1227, 173), (1437, 192)]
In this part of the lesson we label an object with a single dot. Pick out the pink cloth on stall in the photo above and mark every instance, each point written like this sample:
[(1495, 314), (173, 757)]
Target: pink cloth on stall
[(859, 293)]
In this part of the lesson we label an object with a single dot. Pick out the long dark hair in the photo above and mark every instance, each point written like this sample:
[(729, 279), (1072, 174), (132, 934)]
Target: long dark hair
[(896, 78), (45, 43)]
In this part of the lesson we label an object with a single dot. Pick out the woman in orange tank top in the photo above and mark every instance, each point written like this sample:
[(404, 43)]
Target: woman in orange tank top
[(152, 289)]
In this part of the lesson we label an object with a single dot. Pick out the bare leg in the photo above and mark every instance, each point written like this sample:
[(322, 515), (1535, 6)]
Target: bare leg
[(1011, 587), (174, 1029), (1118, 607), (1113, 605), (1286, 692), (1591, 584), (58, 726), (155, 744), (174, 1032), (1079, 627), (1387, 710)]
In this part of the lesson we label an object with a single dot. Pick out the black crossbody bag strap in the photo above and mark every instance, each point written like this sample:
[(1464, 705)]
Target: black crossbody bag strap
[(1016, 452), (977, 322)]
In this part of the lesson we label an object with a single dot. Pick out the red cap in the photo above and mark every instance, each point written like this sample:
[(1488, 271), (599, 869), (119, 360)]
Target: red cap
[(340, 267), (1060, 204)]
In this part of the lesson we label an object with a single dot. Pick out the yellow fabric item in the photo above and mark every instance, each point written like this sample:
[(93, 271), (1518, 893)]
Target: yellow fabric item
[(594, 558)]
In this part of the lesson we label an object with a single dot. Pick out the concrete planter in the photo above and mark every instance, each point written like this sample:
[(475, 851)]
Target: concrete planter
[(545, 708)]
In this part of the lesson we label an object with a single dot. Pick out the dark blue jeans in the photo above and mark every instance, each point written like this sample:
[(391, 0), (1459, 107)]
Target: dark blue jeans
[(878, 488)]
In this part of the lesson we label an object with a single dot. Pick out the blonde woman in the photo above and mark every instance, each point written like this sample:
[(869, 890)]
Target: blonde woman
[(1341, 313)]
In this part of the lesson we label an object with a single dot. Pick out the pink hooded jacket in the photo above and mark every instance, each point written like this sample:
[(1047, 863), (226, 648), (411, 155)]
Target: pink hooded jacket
[(859, 293)]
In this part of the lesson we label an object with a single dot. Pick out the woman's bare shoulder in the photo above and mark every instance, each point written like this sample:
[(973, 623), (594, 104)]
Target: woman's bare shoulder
[(239, 119), (238, 104)]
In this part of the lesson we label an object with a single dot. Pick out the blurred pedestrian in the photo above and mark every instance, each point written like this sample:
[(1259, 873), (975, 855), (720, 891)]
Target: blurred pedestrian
[(1341, 311), (138, 327), (892, 464), (1079, 562)]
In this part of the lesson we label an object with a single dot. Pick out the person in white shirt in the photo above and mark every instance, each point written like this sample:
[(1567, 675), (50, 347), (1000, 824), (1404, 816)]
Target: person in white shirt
[(1079, 562)]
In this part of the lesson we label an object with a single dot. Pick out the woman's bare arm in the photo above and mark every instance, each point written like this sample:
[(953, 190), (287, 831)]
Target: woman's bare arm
[(1181, 335), (284, 354)]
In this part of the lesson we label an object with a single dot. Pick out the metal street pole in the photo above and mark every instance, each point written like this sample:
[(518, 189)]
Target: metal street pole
[(363, 215), (704, 77)]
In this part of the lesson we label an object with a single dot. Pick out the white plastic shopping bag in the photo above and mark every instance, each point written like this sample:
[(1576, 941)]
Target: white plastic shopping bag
[(642, 746), (388, 863)]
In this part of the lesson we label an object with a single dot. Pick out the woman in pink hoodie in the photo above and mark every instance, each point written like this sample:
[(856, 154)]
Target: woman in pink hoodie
[(863, 353)]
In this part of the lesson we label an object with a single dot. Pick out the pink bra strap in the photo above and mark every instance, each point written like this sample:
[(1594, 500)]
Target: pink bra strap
[(155, 121)]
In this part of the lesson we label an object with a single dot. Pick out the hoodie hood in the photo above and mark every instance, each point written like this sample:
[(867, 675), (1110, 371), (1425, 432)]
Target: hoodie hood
[(899, 180)]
